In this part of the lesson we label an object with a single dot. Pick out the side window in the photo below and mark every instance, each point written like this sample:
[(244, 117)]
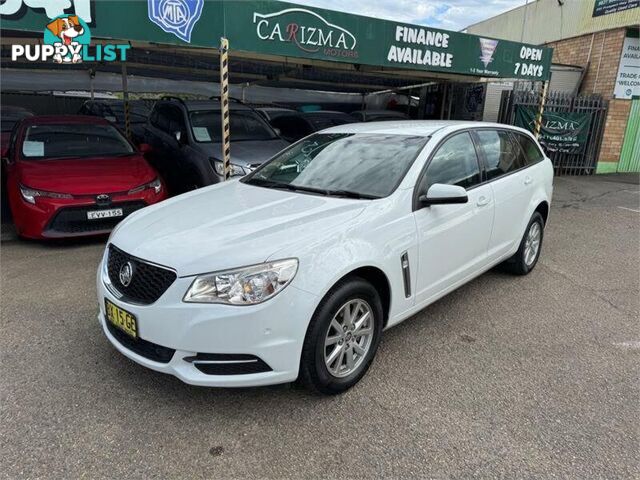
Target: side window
[(160, 119), (455, 163), (175, 121), (531, 151), (502, 154), (292, 127)]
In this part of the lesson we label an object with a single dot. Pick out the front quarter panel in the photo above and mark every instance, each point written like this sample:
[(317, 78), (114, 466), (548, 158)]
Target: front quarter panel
[(377, 238)]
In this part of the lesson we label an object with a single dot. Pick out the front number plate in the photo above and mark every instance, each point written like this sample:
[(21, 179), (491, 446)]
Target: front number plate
[(98, 214), (121, 319)]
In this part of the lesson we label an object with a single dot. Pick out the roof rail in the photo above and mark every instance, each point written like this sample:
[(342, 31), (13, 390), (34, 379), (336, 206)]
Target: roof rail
[(232, 99)]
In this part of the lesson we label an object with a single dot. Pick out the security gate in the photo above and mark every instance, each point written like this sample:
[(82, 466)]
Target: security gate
[(580, 161)]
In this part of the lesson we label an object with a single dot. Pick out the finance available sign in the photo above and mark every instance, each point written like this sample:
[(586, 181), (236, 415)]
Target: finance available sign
[(628, 79)]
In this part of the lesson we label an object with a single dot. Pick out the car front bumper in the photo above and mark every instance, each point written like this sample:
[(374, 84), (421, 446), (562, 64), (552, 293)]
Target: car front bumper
[(272, 332)]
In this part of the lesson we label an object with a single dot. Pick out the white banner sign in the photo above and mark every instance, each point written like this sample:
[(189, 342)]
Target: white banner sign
[(628, 79)]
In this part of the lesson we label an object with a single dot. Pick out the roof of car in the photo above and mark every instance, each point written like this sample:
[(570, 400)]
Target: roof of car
[(195, 105), (64, 119), (275, 109), (413, 127), (390, 113)]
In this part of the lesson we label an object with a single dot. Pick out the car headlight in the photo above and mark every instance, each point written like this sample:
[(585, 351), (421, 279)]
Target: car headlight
[(236, 170), (243, 286), (155, 184), (30, 194)]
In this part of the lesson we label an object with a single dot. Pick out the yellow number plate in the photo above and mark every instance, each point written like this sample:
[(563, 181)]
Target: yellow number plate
[(121, 319)]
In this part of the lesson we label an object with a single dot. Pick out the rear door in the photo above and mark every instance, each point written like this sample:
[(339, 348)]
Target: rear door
[(453, 238), (511, 183)]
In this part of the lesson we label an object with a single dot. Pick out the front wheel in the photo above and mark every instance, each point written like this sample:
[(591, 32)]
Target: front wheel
[(526, 257), (342, 338)]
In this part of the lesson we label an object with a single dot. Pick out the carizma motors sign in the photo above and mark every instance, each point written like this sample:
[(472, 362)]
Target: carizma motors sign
[(307, 30)]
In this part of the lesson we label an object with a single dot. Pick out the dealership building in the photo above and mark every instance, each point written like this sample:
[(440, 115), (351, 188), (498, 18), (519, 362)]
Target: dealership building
[(277, 51), (601, 39)]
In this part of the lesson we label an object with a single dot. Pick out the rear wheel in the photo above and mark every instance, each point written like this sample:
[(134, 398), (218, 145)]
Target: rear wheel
[(342, 338), (528, 253)]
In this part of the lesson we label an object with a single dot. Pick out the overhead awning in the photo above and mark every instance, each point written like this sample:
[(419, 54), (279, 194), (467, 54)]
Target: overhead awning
[(285, 32)]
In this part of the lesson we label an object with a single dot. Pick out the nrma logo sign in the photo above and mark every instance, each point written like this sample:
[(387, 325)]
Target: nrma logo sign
[(308, 31), (176, 16)]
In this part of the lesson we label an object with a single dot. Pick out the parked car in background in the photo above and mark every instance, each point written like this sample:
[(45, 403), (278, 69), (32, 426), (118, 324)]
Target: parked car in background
[(186, 140), (295, 270), (9, 116), (71, 175), (294, 126), (113, 111), (379, 115), (269, 113)]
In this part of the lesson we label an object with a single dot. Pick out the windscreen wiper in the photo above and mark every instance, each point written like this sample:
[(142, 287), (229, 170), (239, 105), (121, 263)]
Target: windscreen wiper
[(348, 194)]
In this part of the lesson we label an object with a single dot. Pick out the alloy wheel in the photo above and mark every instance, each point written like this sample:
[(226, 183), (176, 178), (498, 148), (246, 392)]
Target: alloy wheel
[(348, 338), (532, 244)]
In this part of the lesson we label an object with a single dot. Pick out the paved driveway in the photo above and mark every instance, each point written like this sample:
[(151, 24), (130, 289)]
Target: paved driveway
[(506, 377)]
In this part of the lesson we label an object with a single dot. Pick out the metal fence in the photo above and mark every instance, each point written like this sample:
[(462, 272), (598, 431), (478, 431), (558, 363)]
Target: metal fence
[(583, 163)]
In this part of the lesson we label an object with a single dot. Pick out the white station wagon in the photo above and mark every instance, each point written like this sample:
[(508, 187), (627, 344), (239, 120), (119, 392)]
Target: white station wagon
[(294, 271)]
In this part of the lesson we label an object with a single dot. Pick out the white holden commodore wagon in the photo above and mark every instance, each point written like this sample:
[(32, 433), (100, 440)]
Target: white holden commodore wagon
[(295, 270)]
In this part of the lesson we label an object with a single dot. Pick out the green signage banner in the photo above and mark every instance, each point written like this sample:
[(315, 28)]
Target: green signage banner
[(285, 29), (562, 132)]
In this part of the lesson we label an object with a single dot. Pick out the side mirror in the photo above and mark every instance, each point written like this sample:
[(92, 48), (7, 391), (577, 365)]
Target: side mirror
[(441, 194), (278, 131), (144, 148)]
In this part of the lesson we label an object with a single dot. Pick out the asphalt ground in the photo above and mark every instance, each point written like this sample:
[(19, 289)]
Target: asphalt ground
[(508, 377)]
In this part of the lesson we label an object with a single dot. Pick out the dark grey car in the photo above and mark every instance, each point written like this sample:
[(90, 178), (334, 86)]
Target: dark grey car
[(185, 137)]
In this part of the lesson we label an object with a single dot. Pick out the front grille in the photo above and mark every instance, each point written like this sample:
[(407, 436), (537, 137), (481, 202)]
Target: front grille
[(228, 363), (145, 349), (73, 220), (148, 282)]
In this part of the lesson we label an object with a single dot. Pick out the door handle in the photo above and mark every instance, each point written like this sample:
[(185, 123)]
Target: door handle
[(482, 201), (528, 180)]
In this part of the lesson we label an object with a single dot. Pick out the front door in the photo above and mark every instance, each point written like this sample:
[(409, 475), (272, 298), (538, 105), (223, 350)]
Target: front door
[(453, 239)]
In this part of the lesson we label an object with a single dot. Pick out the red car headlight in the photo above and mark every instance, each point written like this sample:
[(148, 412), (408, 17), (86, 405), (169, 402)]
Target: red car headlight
[(30, 194), (156, 185)]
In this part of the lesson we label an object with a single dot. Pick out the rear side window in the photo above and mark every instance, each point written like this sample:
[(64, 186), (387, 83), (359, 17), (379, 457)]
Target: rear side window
[(292, 127), (531, 151), (501, 153), (455, 163)]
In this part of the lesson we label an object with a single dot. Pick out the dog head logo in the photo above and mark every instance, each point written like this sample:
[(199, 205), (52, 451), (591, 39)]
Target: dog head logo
[(67, 33)]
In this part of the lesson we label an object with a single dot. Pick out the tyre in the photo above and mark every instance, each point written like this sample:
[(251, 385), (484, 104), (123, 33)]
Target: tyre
[(342, 337), (526, 257)]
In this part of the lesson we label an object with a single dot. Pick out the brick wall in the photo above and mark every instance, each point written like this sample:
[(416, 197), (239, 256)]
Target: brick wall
[(600, 78), (614, 130), (605, 56)]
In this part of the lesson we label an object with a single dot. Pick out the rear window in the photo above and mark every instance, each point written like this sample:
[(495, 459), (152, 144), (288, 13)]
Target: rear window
[(73, 140), (245, 125), (501, 153), (531, 151)]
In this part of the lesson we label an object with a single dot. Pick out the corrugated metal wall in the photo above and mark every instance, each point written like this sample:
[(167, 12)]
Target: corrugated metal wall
[(547, 21), (630, 155)]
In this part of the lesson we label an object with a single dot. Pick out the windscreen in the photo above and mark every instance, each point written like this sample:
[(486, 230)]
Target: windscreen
[(370, 165), (73, 140), (245, 125)]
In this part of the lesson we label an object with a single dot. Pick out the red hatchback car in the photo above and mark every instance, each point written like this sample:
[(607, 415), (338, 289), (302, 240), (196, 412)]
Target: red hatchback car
[(73, 176)]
